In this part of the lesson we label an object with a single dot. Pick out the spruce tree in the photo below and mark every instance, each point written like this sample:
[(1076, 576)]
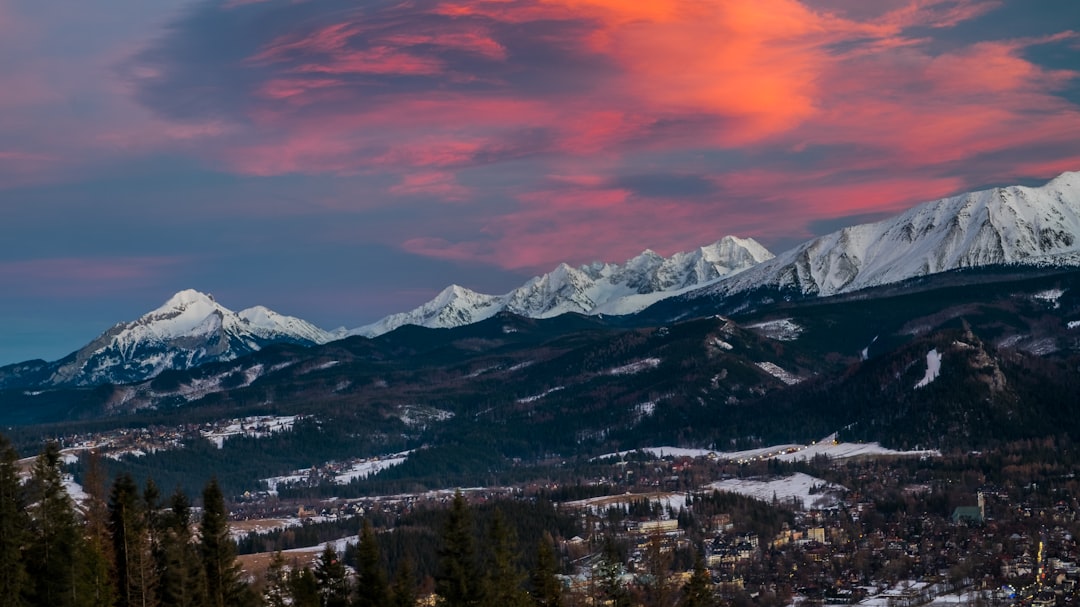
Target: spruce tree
[(52, 553), (547, 589), (457, 581), (183, 580), (404, 589), (503, 579), (97, 561), (224, 588), (371, 586), (136, 582), (303, 588), (276, 583), (13, 524), (698, 590), (332, 579)]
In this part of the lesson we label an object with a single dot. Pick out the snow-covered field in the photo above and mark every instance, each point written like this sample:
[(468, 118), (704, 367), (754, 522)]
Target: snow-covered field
[(666, 499), (359, 469), (258, 427), (370, 467), (933, 368), (790, 452), (795, 487), (781, 330)]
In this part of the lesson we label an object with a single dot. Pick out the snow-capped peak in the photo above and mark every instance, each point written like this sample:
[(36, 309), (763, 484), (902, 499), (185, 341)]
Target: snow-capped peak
[(1012, 225), (590, 289), (189, 329)]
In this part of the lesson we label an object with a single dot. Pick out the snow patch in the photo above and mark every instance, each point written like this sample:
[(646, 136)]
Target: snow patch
[(803, 489), (636, 367), (420, 416), (933, 368), (1050, 296), (783, 329), (1074, 324), (779, 373), (719, 343), (257, 427), (536, 397)]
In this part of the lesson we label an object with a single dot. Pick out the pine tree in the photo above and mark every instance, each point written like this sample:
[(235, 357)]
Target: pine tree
[(304, 588), (404, 590), (547, 589), (52, 553), (135, 576), (183, 580), (98, 561), (224, 587), (276, 589), (457, 579), (332, 579), (608, 575), (371, 587), (658, 588), (13, 524), (698, 590), (502, 583)]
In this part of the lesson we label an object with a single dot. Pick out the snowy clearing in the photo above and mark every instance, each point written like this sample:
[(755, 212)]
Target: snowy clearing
[(806, 490), (370, 467), (779, 373), (933, 368), (666, 499), (536, 397), (781, 330), (257, 427), (1050, 296), (636, 367), (1074, 324), (828, 447)]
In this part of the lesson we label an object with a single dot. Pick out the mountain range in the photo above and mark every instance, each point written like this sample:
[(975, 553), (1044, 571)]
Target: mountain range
[(1003, 227)]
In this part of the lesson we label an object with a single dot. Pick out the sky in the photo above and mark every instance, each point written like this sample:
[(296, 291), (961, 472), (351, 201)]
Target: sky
[(342, 160)]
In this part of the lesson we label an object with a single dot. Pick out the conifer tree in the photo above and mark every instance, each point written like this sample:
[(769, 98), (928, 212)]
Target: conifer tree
[(503, 579), (97, 562), (404, 589), (224, 588), (457, 581), (304, 588), (332, 579), (135, 573), (53, 550), (276, 589), (547, 589), (371, 586), (13, 524), (698, 590), (608, 575), (183, 580)]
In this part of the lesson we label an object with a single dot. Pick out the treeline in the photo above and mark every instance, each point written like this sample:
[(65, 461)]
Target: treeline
[(125, 549)]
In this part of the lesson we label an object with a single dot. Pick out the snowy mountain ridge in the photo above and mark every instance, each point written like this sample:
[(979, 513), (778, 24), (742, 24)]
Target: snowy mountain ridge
[(186, 331), (597, 288), (1008, 225)]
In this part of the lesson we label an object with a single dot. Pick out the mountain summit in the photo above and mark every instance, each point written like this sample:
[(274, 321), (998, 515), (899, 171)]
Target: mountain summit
[(186, 331), (1000, 226), (597, 288)]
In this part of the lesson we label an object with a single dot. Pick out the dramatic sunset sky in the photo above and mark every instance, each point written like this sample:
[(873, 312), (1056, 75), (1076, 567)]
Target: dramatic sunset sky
[(340, 160)]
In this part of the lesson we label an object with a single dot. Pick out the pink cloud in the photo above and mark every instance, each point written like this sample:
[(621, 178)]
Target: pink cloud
[(438, 184), (78, 276)]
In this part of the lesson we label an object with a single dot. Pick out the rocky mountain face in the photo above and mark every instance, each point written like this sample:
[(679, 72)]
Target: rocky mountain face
[(188, 330), (598, 288), (1001, 226)]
